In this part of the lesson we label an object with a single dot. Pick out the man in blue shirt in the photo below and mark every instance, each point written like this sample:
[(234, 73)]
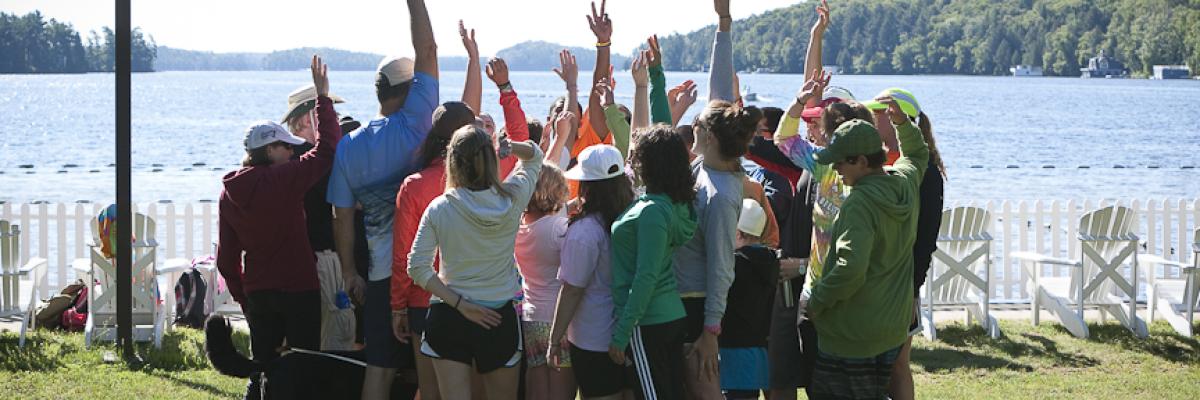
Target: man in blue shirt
[(371, 163)]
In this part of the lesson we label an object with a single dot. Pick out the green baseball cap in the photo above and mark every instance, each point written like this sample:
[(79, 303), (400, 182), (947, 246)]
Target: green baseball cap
[(906, 100), (852, 138)]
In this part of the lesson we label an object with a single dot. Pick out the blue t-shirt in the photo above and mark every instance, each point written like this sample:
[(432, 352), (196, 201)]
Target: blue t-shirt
[(374, 159)]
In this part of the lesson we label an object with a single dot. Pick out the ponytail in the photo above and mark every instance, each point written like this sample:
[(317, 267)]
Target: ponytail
[(934, 155)]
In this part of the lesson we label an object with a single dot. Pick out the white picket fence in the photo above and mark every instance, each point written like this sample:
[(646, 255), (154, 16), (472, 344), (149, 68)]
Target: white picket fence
[(59, 233)]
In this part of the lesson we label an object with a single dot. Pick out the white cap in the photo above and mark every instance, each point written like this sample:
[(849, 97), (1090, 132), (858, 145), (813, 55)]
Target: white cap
[(753, 219), (837, 92), (397, 69), (303, 95), (596, 163), (265, 132)]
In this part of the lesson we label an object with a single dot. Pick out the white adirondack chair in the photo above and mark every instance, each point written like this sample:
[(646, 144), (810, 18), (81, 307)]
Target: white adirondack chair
[(1108, 243), (959, 275), (11, 272), (149, 314), (1176, 299)]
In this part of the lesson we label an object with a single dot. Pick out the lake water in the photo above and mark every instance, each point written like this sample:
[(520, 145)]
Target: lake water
[(1001, 137)]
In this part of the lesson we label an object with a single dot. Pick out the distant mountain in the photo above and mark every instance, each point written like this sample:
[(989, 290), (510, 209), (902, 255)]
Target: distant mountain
[(172, 59), (543, 56)]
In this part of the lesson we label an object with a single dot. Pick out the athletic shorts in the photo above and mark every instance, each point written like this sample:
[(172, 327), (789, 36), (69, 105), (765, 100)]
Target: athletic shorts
[(537, 343), (656, 352), (914, 328), (451, 336), (744, 369), (417, 320), (787, 363), (693, 322), (596, 373), (382, 348), (853, 378)]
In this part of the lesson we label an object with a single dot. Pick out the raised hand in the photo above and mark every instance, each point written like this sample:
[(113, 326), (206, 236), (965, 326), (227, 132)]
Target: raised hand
[(655, 52), (822, 17), (468, 39), (604, 90), (600, 24), (320, 75), (814, 87), (722, 8), (894, 112), (497, 71), (682, 95), (568, 69), (565, 121), (641, 75)]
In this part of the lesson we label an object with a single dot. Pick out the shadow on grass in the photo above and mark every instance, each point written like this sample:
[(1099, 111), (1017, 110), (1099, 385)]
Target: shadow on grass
[(182, 349), (201, 386), (947, 360), (1163, 342), (1031, 345)]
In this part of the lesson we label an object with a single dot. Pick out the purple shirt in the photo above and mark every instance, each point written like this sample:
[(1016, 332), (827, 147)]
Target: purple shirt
[(585, 264)]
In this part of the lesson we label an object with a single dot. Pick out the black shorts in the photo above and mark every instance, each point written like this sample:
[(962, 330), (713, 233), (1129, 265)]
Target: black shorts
[(784, 353), (596, 373), (418, 320), (656, 352), (451, 336), (382, 348), (693, 322)]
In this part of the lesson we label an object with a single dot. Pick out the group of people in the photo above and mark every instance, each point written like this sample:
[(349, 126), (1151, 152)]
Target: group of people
[(609, 252)]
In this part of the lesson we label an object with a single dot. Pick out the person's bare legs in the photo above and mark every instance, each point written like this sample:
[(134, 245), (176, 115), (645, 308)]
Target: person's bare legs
[(426, 376), (500, 384), (694, 385), (537, 382), (450, 376), (377, 383), (562, 383), (901, 386)]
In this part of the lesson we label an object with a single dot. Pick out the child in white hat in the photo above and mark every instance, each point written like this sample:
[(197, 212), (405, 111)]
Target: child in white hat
[(747, 323)]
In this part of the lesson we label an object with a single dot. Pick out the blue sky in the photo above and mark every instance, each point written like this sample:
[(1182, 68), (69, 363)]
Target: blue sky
[(382, 26)]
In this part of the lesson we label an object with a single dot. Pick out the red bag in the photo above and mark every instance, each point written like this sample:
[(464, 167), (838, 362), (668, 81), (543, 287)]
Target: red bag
[(75, 318)]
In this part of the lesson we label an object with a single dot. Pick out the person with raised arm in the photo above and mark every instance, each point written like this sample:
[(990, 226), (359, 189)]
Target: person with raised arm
[(594, 130), (514, 117), (650, 102), (370, 165), (641, 90), (704, 266), (263, 250), (679, 99), (614, 118), (471, 229), (861, 305)]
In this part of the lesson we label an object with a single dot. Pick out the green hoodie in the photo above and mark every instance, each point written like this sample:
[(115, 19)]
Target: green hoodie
[(643, 278), (862, 304)]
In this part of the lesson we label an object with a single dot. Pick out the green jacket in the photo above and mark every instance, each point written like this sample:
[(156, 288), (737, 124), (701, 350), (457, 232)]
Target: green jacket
[(862, 304), (643, 278)]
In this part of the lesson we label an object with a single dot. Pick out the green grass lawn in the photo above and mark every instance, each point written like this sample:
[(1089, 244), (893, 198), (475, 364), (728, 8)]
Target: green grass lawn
[(1027, 362)]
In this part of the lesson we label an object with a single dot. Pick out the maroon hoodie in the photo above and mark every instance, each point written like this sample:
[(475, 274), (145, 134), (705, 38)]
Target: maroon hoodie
[(262, 214)]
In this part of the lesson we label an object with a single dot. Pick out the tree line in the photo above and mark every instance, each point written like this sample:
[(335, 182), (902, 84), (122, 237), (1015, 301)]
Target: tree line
[(33, 44), (977, 37)]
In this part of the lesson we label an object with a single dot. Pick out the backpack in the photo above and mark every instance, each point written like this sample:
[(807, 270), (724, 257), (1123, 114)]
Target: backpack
[(49, 315), (75, 317), (190, 292)]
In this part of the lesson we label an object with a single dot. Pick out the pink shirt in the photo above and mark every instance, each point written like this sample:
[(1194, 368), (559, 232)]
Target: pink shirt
[(538, 249)]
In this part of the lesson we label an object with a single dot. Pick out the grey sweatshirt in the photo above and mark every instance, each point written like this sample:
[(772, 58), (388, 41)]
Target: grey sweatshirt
[(705, 263), (474, 233), (720, 73)]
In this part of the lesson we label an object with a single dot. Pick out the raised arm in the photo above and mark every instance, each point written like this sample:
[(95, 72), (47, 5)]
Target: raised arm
[(424, 45), (473, 91), (568, 71), (914, 152), (660, 108), (314, 165), (720, 73), (602, 27), (614, 119), (680, 98), (564, 124), (812, 61), (788, 138), (514, 117), (641, 90)]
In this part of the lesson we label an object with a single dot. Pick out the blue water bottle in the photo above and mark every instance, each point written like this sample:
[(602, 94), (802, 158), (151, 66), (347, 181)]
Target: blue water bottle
[(343, 300)]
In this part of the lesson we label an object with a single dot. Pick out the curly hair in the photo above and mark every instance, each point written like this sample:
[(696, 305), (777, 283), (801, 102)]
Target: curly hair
[(550, 193), (661, 160), (732, 126)]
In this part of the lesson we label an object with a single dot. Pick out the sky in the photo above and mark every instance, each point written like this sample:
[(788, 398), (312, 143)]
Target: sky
[(382, 26)]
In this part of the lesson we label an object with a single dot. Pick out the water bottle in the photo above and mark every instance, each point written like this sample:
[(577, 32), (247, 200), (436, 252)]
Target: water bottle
[(343, 300)]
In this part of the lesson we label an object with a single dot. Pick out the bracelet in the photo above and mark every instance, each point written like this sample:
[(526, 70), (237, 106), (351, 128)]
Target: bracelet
[(603, 44), (505, 86), (457, 302)]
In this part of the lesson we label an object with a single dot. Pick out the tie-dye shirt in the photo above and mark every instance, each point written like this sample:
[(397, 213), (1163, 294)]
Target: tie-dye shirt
[(830, 191)]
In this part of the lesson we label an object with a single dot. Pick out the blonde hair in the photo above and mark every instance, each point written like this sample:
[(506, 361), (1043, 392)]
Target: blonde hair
[(471, 161), (551, 192)]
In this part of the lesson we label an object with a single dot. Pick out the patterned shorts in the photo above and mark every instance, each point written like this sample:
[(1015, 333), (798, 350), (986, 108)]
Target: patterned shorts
[(852, 378), (537, 342)]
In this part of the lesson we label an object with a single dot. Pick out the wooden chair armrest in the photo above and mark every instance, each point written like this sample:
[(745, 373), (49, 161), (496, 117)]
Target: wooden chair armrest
[(174, 265), (82, 265), (1044, 259), (31, 265)]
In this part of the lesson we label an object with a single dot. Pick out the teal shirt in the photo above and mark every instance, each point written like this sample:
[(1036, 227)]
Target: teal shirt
[(643, 278)]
